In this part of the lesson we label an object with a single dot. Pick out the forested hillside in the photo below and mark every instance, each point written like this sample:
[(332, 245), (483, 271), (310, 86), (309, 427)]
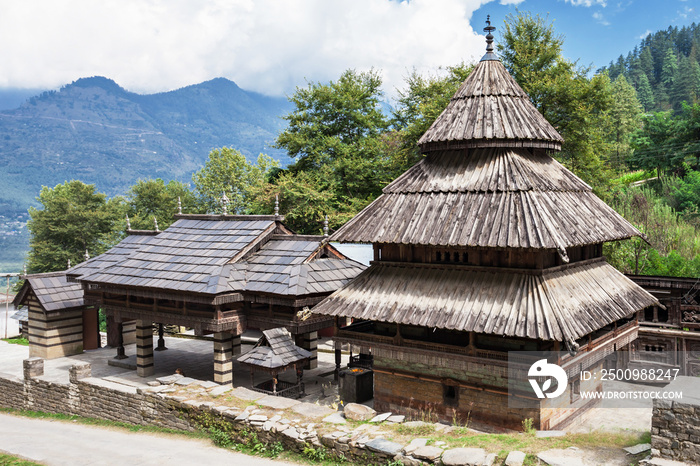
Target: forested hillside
[(664, 68), (95, 131)]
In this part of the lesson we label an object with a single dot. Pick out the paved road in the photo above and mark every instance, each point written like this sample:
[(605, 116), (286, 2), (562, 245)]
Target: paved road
[(64, 443)]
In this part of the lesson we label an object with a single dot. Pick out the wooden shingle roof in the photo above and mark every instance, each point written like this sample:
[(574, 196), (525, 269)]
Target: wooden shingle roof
[(493, 197), (490, 109), (563, 303), (275, 350)]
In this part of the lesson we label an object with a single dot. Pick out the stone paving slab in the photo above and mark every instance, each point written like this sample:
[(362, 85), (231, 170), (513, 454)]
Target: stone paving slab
[(637, 449), (312, 410), (277, 402), (549, 433), (515, 458), (386, 447), (335, 418), (666, 462), (246, 394), (560, 457)]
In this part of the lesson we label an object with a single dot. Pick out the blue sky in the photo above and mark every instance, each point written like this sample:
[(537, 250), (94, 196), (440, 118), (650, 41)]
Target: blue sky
[(597, 32), (272, 46)]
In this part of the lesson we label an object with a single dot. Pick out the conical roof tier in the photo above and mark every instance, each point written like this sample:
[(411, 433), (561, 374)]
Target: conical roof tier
[(490, 109)]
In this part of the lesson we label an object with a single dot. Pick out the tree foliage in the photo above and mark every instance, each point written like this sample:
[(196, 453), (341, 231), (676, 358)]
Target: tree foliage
[(73, 218), (155, 198), (575, 105), (227, 171)]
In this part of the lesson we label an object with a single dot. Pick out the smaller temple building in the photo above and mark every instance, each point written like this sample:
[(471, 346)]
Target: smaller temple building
[(220, 275), (59, 322)]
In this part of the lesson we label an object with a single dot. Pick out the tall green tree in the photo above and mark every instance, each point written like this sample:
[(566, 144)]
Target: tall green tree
[(73, 218), (333, 121), (155, 198), (645, 93), (227, 171), (624, 120), (574, 104)]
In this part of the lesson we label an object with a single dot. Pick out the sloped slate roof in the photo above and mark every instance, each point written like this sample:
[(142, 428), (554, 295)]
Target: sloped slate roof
[(503, 198), (558, 304), (490, 109), (207, 256), (281, 267), (53, 290), (185, 256), (275, 350), (22, 315)]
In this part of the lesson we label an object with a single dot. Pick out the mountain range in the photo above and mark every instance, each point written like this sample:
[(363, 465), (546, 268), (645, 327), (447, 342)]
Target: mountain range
[(95, 131)]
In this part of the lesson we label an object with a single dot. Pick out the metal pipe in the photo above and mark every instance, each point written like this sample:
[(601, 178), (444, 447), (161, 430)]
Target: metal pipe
[(7, 299)]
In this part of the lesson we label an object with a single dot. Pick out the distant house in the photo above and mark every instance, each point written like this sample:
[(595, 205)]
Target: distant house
[(217, 274)]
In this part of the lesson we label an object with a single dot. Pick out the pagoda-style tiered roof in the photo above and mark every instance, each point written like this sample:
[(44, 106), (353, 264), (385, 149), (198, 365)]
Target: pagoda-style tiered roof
[(465, 239)]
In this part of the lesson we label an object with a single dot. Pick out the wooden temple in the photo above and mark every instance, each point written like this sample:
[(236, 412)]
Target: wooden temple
[(217, 274), (485, 246)]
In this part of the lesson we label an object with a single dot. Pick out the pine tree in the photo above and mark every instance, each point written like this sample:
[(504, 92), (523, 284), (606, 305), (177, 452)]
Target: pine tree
[(669, 68), (645, 94)]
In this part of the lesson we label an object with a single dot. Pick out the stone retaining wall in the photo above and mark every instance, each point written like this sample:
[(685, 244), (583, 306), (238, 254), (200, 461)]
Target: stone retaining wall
[(675, 430), (95, 398)]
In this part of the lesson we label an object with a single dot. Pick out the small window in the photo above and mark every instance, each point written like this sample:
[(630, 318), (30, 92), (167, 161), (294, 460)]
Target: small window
[(450, 395), (576, 389), (464, 257), (649, 314), (456, 257), (438, 257)]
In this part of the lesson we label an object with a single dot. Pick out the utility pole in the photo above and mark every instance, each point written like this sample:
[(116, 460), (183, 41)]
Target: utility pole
[(7, 298)]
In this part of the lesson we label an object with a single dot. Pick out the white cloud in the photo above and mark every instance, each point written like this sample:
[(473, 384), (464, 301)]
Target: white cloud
[(511, 2), (588, 3), (644, 34), (264, 45), (598, 16)]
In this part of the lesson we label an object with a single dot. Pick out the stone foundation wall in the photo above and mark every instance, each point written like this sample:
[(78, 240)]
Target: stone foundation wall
[(675, 430), (95, 398)]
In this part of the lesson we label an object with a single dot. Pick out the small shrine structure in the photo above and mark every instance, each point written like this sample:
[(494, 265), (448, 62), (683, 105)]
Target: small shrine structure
[(487, 245), (274, 354), (59, 322)]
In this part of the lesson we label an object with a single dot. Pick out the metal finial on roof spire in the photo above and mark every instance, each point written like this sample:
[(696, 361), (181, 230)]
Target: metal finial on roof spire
[(87, 255), (224, 204), (179, 205), (325, 227), (489, 40), (155, 223), (68, 264), (128, 223), (277, 206)]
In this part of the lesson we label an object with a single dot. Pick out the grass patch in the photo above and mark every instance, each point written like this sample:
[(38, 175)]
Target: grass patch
[(9, 460), (17, 341)]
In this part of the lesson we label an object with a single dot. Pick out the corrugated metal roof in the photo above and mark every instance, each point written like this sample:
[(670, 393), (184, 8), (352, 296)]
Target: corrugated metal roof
[(558, 304)]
